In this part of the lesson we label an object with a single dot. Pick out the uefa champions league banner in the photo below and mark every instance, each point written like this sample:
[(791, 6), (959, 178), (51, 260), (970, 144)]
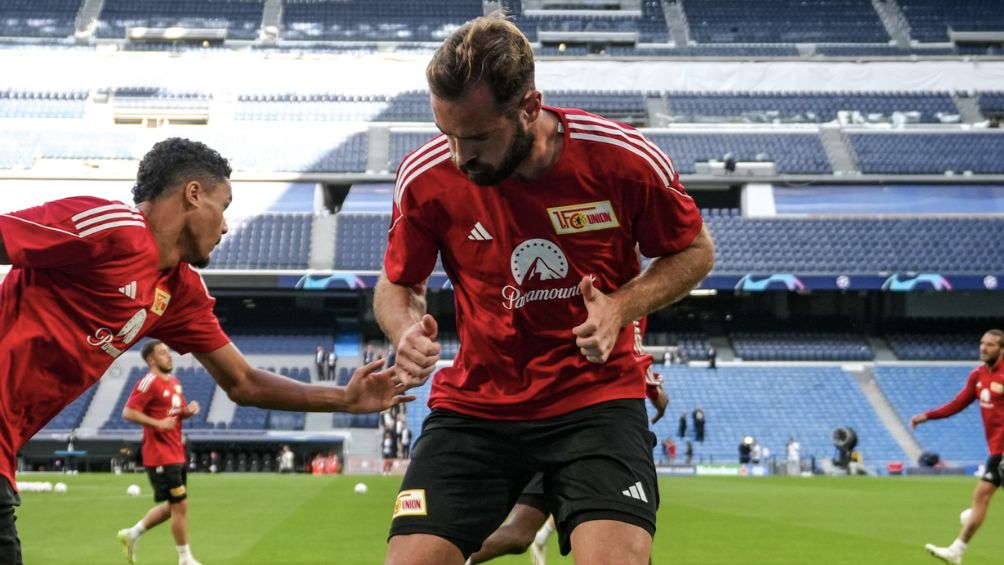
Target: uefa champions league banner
[(774, 282)]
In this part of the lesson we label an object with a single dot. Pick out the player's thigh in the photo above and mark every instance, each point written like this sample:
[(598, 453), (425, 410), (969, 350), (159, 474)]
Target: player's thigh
[(599, 542), (169, 483), (603, 471), (463, 478)]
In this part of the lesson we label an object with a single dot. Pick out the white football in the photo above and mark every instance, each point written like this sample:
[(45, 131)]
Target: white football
[(964, 516), (361, 488), (59, 487), (133, 490)]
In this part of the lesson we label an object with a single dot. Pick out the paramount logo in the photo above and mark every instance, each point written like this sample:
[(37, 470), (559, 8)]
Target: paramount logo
[(514, 298)]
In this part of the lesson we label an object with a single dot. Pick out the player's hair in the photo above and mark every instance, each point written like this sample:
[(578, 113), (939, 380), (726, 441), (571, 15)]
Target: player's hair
[(173, 161), (147, 349), (489, 49), (998, 333)]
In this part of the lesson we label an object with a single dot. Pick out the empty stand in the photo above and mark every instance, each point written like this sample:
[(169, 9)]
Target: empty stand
[(931, 20), (913, 390), (793, 153), (266, 241), (241, 18), (801, 346), (813, 107), (71, 416), (855, 245), (785, 21), (929, 153), (38, 18), (361, 241), (375, 20)]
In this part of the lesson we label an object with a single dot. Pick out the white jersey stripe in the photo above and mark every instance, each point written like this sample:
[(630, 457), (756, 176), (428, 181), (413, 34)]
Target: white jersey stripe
[(399, 194), (632, 133), (110, 225), (604, 139), (405, 174), (97, 219), (145, 382), (40, 225), (638, 140), (100, 209), (421, 155)]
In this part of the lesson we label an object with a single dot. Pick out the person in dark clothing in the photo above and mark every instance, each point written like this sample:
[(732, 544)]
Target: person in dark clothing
[(699, 424)]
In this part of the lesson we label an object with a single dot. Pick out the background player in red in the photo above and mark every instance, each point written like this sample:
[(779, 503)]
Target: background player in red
[(158, 404), (536, 212), (986, 384), (90, 277)]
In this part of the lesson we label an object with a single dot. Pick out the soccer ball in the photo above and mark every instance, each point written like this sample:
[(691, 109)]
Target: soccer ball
[(361, 488), (59, 487), (964, 516), (133, 490)]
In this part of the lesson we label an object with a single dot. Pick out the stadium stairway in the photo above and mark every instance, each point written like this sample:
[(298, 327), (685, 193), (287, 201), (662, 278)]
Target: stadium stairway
[(881, 349), (865, 378), (107, 393)]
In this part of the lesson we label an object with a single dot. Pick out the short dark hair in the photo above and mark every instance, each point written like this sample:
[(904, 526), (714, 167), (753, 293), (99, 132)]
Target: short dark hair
[(998, 333), (173, 161), (147, 349), (489, 49)]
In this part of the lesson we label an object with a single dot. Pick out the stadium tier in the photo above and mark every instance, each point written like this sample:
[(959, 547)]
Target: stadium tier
[(31, 104), (861, 245), (785, 21), (241, 18), (801, 346), (931, 346), (70, 417), (266, 241), (38, 18), (929, 153), (931, 20), (813, 107), (375, 20), (913, 390), (793, 153)]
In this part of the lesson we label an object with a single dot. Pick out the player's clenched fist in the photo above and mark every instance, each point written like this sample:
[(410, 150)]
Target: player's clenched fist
[(417, 353), (597, 336)]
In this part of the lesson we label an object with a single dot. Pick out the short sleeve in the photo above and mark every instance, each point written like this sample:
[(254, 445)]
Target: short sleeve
[(667, 219), (141, 395), (411, 247), (189, 323), (65, 233)]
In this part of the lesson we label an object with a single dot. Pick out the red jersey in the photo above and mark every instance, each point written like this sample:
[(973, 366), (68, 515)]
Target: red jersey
[(986, 385), (515, 254), (159, 398), (84, 287)]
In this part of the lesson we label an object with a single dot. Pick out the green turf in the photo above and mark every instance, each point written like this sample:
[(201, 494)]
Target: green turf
[(270, 519)]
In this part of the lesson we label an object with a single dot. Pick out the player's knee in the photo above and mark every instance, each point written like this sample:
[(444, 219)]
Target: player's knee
[(514, 540), (180, 507)]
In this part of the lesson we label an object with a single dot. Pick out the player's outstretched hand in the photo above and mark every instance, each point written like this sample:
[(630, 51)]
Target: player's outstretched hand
[(371, 390), (597, 336), (192, 409), (917, 420), (417, 353)]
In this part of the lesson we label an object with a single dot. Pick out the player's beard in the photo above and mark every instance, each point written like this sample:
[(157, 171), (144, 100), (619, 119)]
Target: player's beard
[(519, 150)]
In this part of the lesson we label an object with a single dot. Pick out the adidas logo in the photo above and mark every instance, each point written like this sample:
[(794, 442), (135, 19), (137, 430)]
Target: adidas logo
[(479, 233), (636, 492), (129, 290)]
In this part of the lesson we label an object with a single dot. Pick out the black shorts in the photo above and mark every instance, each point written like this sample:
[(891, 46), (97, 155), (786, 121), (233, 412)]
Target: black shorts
[(992, 474), (533, 494), (10, 545), (168, 482), (466, 473)]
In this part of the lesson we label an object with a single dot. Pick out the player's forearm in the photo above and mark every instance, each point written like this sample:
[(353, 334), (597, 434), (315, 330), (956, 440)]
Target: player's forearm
[(397, 307), (137, 417), (268, 390), (667, 279)]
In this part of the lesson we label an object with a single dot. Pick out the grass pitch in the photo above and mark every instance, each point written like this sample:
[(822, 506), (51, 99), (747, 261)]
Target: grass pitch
[(278, 520)]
